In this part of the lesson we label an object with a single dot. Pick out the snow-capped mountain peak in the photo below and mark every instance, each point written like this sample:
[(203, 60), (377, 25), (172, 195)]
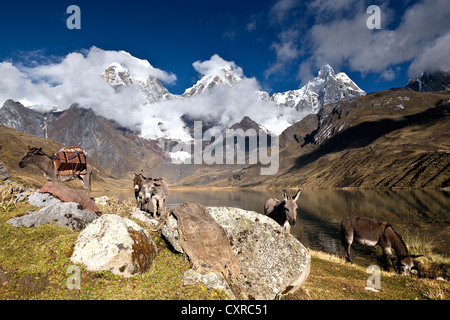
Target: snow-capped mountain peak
[(327, 87), (219, 76), (117, 75), (151, 88), (325, 72)]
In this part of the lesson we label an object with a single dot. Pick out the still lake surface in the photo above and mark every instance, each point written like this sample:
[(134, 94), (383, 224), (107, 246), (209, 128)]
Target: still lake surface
[(416, 213)]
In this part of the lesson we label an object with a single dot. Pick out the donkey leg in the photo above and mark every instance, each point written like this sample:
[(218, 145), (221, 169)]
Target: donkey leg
[(86, 182), (155, 206), (347, 240), (347, 252), (387, 256)]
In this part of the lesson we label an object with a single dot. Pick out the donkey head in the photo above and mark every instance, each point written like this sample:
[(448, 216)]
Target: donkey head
[(149, 186), (405, 265), (30, 156), (138, 181), (290, 207)]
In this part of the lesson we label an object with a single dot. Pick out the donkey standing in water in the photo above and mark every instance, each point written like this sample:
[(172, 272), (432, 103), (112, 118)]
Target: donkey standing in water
[(45, 163), (283, 212), (372, 232)]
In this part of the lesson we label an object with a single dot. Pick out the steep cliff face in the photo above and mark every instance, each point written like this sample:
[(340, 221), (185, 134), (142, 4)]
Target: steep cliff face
[(430, 82)]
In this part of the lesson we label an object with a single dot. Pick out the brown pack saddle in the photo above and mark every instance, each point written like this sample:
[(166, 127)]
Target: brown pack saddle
[(70, 161)]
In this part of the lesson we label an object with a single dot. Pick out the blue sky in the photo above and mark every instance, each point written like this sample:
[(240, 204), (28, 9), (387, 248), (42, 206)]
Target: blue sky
[(282, 43)]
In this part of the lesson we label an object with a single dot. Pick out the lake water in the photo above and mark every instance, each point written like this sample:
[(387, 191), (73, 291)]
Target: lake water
[(417, 213)]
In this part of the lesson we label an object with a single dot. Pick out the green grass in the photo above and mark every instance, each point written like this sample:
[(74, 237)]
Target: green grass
[(34, 263), (332, 278)]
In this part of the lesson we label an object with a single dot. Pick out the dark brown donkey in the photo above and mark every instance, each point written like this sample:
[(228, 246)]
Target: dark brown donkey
[(283, 212), (372, 232), (45, 163), (138, 183)]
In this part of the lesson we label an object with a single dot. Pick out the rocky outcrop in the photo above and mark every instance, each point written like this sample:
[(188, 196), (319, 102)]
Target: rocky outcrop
[(430, 81), (204, 241), (66, 194), (66, 214), (271, 261), (116, 244), (4, 173)]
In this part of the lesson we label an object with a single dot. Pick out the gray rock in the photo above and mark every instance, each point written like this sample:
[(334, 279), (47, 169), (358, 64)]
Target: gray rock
[(65, 214), (212, 280), (171, 234), (272, 262), (116, 244), (42, 199), (141, 216), (22, 196), (4, 173)]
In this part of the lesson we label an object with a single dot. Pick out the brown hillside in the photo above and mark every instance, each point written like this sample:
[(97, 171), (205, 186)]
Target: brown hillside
[(388, 139)]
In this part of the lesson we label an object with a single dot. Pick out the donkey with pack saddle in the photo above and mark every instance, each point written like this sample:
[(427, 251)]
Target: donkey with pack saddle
[(150, 189), (65, 165), (283, 212), (372, 232)]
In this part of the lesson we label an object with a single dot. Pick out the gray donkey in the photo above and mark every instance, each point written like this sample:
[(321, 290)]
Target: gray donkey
[(283, 212), (155, 190)]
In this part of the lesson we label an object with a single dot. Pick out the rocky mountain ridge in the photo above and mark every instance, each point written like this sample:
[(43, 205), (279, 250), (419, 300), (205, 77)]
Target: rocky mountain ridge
[(115, 149), (328, 87)]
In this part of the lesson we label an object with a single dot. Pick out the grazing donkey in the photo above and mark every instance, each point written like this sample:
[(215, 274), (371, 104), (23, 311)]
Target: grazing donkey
[(45, 163), (372, 232), (155, 190), (283, 212)]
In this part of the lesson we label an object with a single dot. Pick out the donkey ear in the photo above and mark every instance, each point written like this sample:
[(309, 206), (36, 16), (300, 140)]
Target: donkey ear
[(297, 195), (157, 184), (285, 196), (30, 148)]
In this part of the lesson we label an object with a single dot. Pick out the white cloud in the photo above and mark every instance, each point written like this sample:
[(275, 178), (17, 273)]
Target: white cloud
[(214, 64), (281, 10), (340, 37), (286, 49), (436, 56), (76, 78)]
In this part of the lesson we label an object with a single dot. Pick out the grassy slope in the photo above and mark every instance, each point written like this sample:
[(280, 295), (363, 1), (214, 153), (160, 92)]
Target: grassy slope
[(383, 148), (34, 263), (331, 278)]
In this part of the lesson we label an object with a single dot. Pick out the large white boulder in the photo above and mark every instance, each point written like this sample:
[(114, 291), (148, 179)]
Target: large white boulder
[(272, 262), (116, 244)]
